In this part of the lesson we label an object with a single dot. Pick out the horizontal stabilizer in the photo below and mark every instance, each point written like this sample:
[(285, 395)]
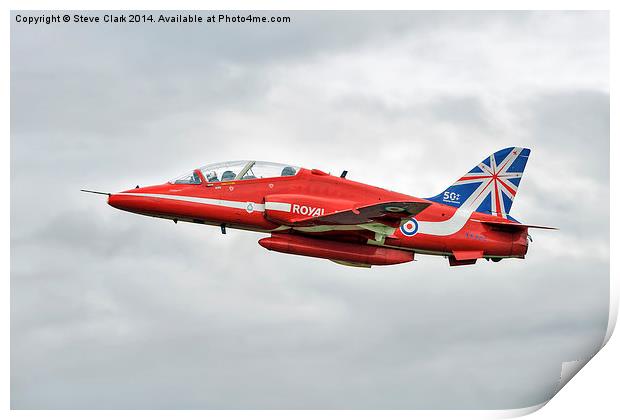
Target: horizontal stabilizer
[(389, 213), (512, 226)]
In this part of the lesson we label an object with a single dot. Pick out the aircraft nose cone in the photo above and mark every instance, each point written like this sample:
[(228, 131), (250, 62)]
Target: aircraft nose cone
[(143, 200), (125, 202), (116, 200)]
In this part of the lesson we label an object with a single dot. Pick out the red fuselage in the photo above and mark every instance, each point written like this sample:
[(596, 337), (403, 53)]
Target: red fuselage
[(294, 209)]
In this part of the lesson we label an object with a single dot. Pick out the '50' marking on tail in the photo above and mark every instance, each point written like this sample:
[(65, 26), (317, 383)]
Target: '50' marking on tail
[(451, 197)]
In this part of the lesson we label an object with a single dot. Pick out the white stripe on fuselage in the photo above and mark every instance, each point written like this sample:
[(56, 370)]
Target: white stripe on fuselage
[(201, 200), (271, 205), (446, 227)]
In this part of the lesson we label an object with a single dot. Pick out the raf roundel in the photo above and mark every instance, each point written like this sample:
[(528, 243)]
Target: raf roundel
[(410, 227)]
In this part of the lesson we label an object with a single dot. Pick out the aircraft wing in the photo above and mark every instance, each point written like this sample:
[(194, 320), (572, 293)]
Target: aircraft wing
[(388, 213), (512, 226)]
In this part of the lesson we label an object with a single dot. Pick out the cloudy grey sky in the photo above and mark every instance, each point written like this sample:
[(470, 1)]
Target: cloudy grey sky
[(114, 310)]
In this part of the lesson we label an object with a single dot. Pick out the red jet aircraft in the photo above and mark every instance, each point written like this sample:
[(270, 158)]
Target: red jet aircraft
[(311, 213)]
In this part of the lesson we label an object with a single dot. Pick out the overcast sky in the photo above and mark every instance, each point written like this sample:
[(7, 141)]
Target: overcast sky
[(114, 310)]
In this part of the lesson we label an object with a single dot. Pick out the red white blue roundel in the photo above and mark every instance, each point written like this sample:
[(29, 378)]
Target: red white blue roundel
[(410, 227)]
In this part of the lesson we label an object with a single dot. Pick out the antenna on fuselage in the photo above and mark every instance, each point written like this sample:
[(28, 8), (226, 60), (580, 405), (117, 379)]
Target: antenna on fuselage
[(344, 174)]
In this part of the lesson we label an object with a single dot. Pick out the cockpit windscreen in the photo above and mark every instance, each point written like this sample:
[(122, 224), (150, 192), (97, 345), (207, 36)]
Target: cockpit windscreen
[(238, 170)]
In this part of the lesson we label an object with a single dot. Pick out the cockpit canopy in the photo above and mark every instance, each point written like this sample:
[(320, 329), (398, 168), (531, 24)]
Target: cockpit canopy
[(237, 170)]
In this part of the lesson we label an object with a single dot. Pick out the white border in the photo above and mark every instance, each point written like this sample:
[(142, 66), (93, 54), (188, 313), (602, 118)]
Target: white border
[(595, 383)]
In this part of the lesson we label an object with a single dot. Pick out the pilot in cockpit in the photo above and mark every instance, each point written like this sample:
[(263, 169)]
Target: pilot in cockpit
[(228, 176), (212, 177)]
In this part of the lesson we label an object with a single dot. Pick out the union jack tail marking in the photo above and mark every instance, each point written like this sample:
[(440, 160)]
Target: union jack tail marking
[(491, 186)]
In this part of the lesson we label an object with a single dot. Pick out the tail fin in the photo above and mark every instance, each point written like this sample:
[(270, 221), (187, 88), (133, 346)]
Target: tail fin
[(491, 186)]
